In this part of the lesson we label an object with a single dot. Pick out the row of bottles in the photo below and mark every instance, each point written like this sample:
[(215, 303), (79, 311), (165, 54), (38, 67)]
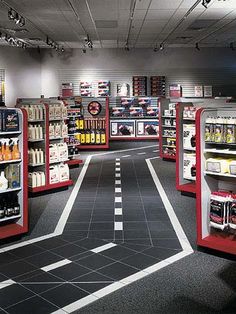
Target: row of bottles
[(35, 132), (58, 152), (58, 130), (36, 179), (36, 156), (10, 177), (9, 206), (59, 173), (57, 111), (9, 149), (34, 112), (220, 130)]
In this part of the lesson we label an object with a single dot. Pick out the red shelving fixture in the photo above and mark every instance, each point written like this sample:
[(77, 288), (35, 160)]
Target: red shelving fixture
[(45, 168), (15, 224), (218, 234)]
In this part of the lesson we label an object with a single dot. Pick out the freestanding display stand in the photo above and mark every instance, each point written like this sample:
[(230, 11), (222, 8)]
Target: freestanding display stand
[(215, 227), (13, 223), (44, 145)]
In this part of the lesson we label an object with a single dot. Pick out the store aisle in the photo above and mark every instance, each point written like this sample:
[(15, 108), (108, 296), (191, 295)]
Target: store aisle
[(117, 230)]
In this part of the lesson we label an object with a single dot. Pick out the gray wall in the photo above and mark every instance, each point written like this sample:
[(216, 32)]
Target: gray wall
[(187, 66), (22, 73)]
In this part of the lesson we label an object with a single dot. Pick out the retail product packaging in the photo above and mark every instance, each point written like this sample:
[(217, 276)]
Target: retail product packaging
[(172, 106), (209, 130), (53, 153), (219, 203), (218, 165), (57, 130), (219, 131), (36, 179), (53, 174), (152, 111), (12, 173), (10, 120), (3, 182), (167, 113), (127, 101), (232, 213), (171, 133), (171, 141), (136, 111), (51, 111), (189, 112), (64, 174), (189, 136), (57, 111), (144, 101), (62, 151), (189, 169), (118, 111), (232, 167), (167, 122), (175, 90), (230, 130), (67, 89), (123, 89)]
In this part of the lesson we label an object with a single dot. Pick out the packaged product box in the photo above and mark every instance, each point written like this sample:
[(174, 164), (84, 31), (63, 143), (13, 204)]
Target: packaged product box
[(12, 173), (53, 174), (232, 167), (118, 111), (189, 136), (189, 170), (232, 213), (218, 213), (136, 111), (218, 165), (10, 120)]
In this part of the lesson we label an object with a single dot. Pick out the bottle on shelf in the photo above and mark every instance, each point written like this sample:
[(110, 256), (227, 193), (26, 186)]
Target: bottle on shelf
[(3, 182), (15, 148)]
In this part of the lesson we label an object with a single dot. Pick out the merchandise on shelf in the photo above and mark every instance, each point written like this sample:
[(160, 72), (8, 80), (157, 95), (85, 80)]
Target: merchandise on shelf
[(9, 149), (34, 112), (169, 132), (36, 156), (152, 111), (9, 206), (12, 173), (175, 90), (169, 151), (3, 182), (136, 111), (189, 112), (58, 173), (189, 136), (103, 88), (58, 152), (158, 86), (57, 111), (36, 179), (58, 130), (86, 89), (219, 209), (189, 168), (118, 112), (9, 121), (220, 130), (123, 90), (35, 132), (127, 101), (139, 85)]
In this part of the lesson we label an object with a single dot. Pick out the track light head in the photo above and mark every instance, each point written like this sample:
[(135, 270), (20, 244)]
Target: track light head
[(22, 21), (12, 14), (197, 46), (155, 49), (62, 49), (205, 3), (161, 46), (84, 50)]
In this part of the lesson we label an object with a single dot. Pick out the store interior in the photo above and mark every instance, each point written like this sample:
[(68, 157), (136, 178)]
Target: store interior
[(117, 156)]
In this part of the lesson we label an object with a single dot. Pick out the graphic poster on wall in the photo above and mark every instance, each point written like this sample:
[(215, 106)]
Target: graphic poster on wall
[(147, 128), (198, 91), (208, 91), (175, 90), (67, 89), (123, 128)]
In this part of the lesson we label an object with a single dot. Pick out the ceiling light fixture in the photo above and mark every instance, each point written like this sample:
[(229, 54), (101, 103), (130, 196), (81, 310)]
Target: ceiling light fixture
[(88, 42), (231, 46), (205, 3), (16, 17), (197, 46), (161, 46), (155, 49), (84, 50)]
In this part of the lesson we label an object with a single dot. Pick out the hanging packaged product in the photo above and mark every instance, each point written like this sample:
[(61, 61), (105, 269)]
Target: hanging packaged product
[(209, 130), (3, 182), (53, 174), (62, 151), (12, 173), (63, 172), (53, 153), (219, 203), (230, 130), (189, 169), (219, 130), (189, 136), (10, 121), (232, 212), (15, 148)]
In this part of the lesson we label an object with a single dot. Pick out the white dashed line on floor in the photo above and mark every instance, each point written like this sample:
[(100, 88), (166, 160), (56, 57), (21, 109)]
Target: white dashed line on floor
[(125, 156), (56, 265), (103, 247), (141, 153), (6, 283)]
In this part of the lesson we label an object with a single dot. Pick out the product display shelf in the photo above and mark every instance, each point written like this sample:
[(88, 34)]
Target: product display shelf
[(45, 143), (167, 152), (208, 182), (134, 127), (17, 224)]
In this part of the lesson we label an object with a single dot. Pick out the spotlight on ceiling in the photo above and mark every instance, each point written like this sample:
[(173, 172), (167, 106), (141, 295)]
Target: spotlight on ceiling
[(155, 49), (231, 46), (161, 46), (205, 3), (22, 21), (197, 46), (16, 17), (62, 49), (84, 50), (12, 14)]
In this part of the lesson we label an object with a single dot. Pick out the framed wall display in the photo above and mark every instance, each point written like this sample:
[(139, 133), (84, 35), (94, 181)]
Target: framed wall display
[(147, 128), (123, 128), (208, 91), (198, 91), (94, 108)]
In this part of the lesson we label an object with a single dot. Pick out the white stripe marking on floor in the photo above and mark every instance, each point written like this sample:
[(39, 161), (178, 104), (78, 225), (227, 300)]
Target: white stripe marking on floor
[(117, 169), (118, 225), (117, 175), (117, 190), (117, 182), (56, 265), (155, 151), (118, 211), (6, 283), (125, 156), (118, 199), (103, 247), (141, 153)]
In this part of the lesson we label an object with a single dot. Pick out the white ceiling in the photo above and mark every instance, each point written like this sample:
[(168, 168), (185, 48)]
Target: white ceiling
[(108, 22)]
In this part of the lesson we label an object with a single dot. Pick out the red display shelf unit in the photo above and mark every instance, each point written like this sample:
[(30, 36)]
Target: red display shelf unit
[(208, 236), (17, 225), (51, 186)]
